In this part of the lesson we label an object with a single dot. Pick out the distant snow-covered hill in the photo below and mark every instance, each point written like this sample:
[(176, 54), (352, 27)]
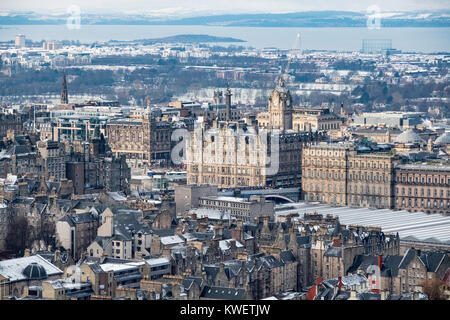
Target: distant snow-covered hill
[(297, 19)]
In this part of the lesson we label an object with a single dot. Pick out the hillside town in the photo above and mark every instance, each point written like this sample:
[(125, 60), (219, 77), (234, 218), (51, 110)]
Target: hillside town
[(326, 180)]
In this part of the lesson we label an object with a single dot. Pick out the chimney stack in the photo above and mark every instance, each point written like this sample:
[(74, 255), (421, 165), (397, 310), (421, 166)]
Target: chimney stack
[(340, 283)]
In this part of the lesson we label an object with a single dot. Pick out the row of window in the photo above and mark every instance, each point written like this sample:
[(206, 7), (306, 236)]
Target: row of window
[(357, 164), (422, 179), (421, 191), (423, 204)]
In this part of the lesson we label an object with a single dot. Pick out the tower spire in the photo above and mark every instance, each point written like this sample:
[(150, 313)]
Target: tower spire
[(64, 96), (228, 103)]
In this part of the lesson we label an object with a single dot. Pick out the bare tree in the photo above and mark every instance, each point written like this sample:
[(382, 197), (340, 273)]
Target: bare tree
[(46, 230), (434, 289), (18, 237)]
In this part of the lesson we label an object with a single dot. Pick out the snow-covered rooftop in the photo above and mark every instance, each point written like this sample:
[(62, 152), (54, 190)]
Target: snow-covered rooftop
[(13, 268), (157, 262), (411, 226), (213, 214), (169, 240), (116, 196), (116, 267), (226, 244)]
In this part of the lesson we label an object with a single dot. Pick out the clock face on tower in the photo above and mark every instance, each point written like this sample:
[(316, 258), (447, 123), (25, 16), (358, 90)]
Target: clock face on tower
[(63, 257)]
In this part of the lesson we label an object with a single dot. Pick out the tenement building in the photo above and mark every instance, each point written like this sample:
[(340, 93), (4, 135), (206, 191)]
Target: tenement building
[(52, 157), (423, 188), (338, 174), (142, 141)]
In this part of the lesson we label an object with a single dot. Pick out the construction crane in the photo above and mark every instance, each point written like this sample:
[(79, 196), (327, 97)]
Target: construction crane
[(286, 70)]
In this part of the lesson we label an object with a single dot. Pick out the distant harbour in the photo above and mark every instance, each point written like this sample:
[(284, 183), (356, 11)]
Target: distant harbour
[(426, 40)]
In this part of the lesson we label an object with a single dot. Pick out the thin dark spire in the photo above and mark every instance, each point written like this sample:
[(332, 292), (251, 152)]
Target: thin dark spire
[(64, 95), (228, 103)]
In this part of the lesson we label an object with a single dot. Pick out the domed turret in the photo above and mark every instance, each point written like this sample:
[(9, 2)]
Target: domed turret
[(443, 139), (34, 271), (409, 137)]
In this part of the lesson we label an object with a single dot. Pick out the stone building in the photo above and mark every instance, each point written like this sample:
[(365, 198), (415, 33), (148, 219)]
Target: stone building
[(142, 141), (62, 290), (261, 151), (12, 122), (239, 208), (282, 116), (92, 167), (324, 173), (306, 119), (116, 174), (340, 175), (5, 220), (371, 180), (52, 156), (324, 248), (423, 188), (400, 274), (17, 275), (188, 196), (232, 154), (280, 109), (75, 232)]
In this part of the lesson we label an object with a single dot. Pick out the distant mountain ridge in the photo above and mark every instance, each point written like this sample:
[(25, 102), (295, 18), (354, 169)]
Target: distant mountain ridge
[(297, 19), (183, 38)]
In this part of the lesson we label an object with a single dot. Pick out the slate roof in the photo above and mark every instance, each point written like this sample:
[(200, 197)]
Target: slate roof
[(95, 267), (222, 293), (164, 232), (270, 262), (83, 217), (23, 200), (333, 252), (409, 255), (102, 241), (189, 281), (432, 259), (390, 265), (69, 220), (287, 256), (304, 240), (127, 223), (368, 296)]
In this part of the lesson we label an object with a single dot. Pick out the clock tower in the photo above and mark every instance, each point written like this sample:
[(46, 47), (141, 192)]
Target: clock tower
[(280, 107)]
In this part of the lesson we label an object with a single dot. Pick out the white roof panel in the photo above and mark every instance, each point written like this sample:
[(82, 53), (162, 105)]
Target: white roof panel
[(423, 227)]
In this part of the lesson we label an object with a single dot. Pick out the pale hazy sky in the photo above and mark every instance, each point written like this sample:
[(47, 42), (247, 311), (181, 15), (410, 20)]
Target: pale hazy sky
[(190, 7)]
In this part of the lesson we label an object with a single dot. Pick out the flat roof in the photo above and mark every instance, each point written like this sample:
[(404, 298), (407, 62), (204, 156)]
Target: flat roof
[(228, 199), (411, 226), (158, 262)]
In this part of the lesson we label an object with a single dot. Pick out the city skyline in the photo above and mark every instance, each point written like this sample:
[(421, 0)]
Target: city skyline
[(224, 163)]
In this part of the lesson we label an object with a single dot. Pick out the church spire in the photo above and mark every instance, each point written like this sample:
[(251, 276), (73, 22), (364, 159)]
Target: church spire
[(64, 96)]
